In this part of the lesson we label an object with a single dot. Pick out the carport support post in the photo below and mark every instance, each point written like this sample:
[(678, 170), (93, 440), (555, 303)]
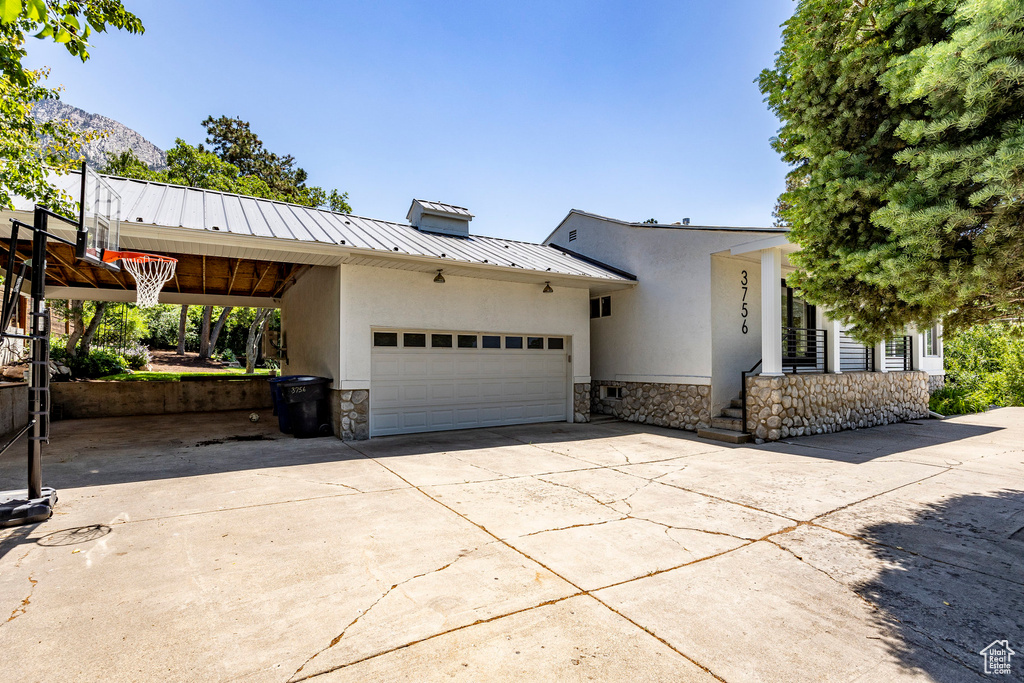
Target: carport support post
[(39, 375)]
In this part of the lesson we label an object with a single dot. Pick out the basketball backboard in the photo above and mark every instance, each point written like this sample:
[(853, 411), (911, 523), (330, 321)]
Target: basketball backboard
[(100, 219)]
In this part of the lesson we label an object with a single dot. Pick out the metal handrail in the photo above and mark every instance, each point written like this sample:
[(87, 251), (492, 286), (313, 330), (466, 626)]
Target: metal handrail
[(743, 392)]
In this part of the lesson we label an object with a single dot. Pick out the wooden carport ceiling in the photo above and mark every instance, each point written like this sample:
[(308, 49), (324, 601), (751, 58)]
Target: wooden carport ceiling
[(195, 274)]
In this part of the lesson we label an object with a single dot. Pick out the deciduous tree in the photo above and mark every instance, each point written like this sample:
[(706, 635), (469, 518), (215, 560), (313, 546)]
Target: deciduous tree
[(30, 149)]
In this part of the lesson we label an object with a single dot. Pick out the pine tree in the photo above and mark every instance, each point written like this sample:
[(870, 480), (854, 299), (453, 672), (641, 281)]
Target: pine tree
[(904, 123)]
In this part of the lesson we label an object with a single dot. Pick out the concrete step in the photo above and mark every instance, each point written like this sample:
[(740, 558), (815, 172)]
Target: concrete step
[(596, 418), (736, 403), (733, 412), (727, 435), (733, 423)]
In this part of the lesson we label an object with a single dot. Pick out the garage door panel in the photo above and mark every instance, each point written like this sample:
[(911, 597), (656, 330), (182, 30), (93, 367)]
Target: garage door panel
[(426, 389), (442, 391), (442, 419), (414, 392), (442, 367)]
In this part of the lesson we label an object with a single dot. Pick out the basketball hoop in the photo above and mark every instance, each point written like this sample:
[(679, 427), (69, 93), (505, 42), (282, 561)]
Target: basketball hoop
[(151, 272)]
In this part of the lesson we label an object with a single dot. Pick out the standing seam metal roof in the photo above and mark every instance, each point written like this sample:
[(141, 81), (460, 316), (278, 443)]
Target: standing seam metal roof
[(175, 206)]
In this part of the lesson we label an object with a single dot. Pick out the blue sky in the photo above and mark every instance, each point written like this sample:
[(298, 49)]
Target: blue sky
[(518, 111)]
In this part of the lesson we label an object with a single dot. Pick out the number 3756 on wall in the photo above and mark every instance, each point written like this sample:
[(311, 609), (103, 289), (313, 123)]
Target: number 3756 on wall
[(743, 310)]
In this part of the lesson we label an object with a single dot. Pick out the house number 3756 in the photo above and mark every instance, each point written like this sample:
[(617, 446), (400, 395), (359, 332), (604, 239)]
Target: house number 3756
[(743, 310)]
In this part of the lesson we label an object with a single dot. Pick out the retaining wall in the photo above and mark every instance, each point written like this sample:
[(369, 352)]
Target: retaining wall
[(13, 407), (73, 400), (799, 405)]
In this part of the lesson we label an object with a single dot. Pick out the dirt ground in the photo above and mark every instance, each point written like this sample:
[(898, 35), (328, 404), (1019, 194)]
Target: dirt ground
[(169, 361)]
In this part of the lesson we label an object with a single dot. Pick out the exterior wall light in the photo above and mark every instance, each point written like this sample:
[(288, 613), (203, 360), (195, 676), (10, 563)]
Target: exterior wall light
[(547, 288), (439, 279)]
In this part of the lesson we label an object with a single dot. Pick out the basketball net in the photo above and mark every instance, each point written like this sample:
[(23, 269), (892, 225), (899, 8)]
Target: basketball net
[(151, 272)]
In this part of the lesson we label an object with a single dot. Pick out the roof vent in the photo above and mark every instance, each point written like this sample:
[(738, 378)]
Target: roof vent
[(444, 219)]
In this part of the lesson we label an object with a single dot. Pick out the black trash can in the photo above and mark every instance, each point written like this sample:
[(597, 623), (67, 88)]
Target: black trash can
[(280, 408), (309, 412)]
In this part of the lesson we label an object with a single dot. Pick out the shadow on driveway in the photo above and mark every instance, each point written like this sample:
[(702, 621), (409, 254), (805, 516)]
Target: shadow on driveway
[(956, 606), (863, 445)]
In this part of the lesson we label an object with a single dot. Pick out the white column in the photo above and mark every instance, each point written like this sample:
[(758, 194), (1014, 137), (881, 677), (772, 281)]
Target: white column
[(771, 311), (917, 345), (880, 357), (834, 350)]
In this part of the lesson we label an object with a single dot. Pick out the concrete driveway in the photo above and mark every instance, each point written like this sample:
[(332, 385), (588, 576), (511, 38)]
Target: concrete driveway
[(206, 548)]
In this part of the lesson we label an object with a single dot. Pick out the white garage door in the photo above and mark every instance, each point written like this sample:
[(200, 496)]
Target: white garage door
[(432, 381)]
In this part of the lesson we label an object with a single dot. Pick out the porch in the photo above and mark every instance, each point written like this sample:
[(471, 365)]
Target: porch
[(813, 377)]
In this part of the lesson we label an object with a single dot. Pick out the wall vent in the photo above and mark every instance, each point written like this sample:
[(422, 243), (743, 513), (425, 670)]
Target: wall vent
[(572, 235)]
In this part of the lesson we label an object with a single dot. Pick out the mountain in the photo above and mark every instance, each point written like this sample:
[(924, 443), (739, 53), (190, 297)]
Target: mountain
[(119, 136)]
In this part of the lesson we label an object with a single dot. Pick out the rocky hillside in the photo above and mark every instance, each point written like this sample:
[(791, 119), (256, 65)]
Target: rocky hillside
[(119, 136)]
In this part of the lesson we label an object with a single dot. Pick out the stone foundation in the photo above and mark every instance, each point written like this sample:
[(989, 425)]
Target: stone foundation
[(581, 402), (936, 382), (680, 406), (800, 405), (350, 414)]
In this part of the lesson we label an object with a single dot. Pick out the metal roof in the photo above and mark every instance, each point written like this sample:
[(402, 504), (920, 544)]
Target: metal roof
[(665, 226), (438, 207), (175, 206)]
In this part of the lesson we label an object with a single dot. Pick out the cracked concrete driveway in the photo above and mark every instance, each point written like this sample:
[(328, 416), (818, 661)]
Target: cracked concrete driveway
[(206, 548)]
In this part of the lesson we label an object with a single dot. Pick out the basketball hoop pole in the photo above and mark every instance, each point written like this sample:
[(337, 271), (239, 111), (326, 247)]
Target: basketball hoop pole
[(35, 503), (39, 384)]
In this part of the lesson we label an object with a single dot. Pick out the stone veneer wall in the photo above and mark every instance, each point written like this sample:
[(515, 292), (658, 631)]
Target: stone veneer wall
[(581, 402), (936, 382), (350, 414), (680, 406), (799, 405)]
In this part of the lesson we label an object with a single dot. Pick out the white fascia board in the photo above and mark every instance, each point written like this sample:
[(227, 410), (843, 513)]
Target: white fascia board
[(166, 297), (766, 243)]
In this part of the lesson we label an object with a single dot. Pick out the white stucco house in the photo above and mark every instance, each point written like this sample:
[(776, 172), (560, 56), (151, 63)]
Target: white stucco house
[(710, 326), (424, 325)]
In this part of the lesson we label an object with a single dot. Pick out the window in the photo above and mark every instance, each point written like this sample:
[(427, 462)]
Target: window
[(611, 392), (414, 340), (931, 341), (385, 339), (535, 342), (467, 341), (556, 343), (491, 342), (513, 342), (441, 341), (601, 307)]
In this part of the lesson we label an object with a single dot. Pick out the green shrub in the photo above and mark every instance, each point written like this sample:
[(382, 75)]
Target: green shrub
[(162, 321), (984, 366), (138, 357), (952, 400), (98, 363)]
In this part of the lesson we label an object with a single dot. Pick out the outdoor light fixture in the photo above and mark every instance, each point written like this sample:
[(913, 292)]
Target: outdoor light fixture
[(439, 279), (547, 288)]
